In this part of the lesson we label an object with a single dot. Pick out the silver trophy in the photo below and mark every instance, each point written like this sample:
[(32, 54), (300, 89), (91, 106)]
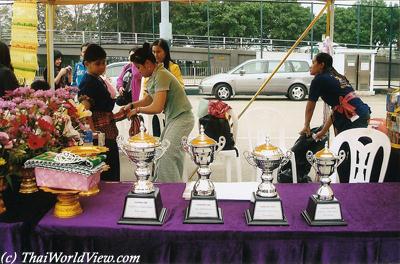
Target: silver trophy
[(323, 208), (143, 204), (203, 206), (267, 207)]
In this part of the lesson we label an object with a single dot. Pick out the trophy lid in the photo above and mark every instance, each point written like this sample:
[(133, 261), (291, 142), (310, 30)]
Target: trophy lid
[(267, 150), (202, 140), (143, 139), (325, 153)]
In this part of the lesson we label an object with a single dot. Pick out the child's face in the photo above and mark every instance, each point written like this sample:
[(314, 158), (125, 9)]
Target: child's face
[(83, 51), (97, 67)]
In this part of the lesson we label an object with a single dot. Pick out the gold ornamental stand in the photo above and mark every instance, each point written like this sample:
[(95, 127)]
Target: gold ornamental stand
[(28, 184), (67, 205)]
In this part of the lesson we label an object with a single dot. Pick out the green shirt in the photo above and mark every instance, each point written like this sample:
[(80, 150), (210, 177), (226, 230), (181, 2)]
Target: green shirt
[(177, 101)]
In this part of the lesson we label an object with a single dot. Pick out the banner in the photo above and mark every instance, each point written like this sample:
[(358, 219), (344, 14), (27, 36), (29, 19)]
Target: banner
[(24, 40)]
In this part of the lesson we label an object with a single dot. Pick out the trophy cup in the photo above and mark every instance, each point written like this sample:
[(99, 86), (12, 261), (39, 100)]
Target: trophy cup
[(143, 204), (266, 206), (203, 207), (323, 208)]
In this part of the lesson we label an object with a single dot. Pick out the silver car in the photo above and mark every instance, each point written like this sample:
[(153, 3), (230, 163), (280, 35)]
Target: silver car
[(292, 80), (113, 71)]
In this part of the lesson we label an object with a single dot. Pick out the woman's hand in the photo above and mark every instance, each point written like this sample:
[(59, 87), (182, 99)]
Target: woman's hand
[(319, 135), (127, 107), (133, 112), (305, 131)]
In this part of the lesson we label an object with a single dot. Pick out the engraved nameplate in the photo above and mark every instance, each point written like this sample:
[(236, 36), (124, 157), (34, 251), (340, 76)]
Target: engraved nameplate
[(140, 208), (268, 210), (203, 208), (328, 211)]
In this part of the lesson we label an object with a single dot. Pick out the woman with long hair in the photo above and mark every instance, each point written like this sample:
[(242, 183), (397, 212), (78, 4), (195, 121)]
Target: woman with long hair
[(62, 75), (8, 81), (162, 54), (348, 110), (164, 93)]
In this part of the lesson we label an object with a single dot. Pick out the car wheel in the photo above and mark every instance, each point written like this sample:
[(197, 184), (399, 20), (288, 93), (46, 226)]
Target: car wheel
[(297, 92), (223, 92)]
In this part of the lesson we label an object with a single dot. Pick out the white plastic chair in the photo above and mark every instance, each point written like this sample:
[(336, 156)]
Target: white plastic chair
[(260, 120), (232, 156), (149, 122), (361, 167)]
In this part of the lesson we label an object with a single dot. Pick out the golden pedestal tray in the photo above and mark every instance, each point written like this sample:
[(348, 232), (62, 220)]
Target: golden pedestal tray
[(67, 205), (86, 151), (93, 191)]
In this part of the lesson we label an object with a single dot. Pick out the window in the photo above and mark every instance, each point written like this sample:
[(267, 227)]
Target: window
[(253, 67), (284, 68), (300, 66)]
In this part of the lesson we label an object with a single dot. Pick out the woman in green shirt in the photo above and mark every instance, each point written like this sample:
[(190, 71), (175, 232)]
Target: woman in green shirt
[(164, 93)]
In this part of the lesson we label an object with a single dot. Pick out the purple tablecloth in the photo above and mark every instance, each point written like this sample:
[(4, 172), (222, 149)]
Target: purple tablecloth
[(371, 236), (10, 238)]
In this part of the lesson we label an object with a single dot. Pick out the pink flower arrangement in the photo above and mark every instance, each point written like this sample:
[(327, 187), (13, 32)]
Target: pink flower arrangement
[(32, 122)]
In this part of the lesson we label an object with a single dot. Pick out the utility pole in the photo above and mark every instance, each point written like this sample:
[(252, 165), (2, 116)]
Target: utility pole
[(358, 23), (117, 17), (390, 45), (312, 30), (98, 22), (208, 39), (261, 28), (372, 26)]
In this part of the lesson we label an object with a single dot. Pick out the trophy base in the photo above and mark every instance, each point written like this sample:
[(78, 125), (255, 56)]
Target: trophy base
[(143, 209), (203, 210), (266, 212), (323, 213)]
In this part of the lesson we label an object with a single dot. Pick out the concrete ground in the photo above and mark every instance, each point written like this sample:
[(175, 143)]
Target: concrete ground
[(275, 116)]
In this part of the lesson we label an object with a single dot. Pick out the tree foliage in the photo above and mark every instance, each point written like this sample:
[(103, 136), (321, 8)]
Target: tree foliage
[(280, 20)]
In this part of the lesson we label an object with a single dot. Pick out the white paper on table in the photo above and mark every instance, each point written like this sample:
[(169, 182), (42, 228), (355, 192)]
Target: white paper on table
[(227, 190)]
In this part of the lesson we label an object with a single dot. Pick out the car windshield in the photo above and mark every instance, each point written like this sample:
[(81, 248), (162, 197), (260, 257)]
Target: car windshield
[(114, 70)]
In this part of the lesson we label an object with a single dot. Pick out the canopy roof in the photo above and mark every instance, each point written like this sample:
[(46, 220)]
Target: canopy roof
[(81, 2)]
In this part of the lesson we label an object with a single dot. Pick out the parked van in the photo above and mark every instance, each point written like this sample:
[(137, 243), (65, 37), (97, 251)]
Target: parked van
[(292, 80)]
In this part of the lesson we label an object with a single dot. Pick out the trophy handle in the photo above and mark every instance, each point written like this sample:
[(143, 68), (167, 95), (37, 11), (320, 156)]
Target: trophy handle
[(310, 158), (341, 157), (286, 158), (186, 147), (220, 144), (162, 148), (250, 159)]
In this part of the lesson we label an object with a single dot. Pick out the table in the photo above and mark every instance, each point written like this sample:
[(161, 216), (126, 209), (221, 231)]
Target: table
[(10, 237), (23, 213), (372, 234)]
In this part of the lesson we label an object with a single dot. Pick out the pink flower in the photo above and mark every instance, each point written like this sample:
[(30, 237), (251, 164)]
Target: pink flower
[(4, 138)]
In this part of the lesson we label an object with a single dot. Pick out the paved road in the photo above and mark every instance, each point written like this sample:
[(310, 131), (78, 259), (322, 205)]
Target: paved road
[(273, 115)]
